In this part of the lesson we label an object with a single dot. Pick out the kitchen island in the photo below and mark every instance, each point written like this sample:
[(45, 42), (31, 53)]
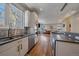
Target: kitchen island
[(64, 45)]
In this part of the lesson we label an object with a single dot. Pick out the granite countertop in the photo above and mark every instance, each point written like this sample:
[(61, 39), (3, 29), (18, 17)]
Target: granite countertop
[(64, 38), (11, 39)]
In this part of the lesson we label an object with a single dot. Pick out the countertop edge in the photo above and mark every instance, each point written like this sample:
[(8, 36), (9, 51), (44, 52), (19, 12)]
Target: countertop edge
[(12, 40), (69, 41)]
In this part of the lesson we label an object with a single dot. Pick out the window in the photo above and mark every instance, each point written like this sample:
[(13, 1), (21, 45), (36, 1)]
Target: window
[(18, 17), (2, 14)]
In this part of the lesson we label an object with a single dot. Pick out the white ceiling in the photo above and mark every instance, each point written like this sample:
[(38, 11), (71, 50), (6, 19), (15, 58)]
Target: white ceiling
[(50, 12)]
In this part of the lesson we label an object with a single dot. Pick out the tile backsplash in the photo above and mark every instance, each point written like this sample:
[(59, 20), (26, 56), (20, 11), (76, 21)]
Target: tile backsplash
[(3, 33), (11, 32), (14, 32)]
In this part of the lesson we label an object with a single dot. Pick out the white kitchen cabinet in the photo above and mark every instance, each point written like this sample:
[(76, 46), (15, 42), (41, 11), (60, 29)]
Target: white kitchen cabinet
[(33, 19), (15, 48), (24, 48), (27, 13), (10, 52), (8, 46), (9, 49), (67, 49)]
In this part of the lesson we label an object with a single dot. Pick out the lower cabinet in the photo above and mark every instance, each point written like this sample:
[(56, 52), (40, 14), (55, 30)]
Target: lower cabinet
[(10, 52), (24, 46), (16, 48), (66, 48)]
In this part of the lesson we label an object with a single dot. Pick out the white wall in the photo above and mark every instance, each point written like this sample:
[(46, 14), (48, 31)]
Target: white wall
[(75, 23), (56, 26), (48, 27), (51, 27)]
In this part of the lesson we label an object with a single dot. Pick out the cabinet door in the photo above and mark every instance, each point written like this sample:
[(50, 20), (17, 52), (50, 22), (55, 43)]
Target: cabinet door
[(66, 49), (10, 52), (9, 49), (26, 18), (24, 46)]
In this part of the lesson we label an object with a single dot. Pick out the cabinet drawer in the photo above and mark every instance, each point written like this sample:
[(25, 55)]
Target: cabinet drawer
[(8, 46), (10, 52)]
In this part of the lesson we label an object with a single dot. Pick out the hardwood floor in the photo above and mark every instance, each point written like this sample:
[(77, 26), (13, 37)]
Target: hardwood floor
[(43, 47)]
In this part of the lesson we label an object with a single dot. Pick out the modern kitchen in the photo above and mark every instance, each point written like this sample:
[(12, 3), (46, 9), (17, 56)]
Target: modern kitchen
[(17, 35), (39, 29)]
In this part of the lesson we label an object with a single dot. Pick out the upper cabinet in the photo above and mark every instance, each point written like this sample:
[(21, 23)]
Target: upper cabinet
[(27, 13), (33, 19)]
